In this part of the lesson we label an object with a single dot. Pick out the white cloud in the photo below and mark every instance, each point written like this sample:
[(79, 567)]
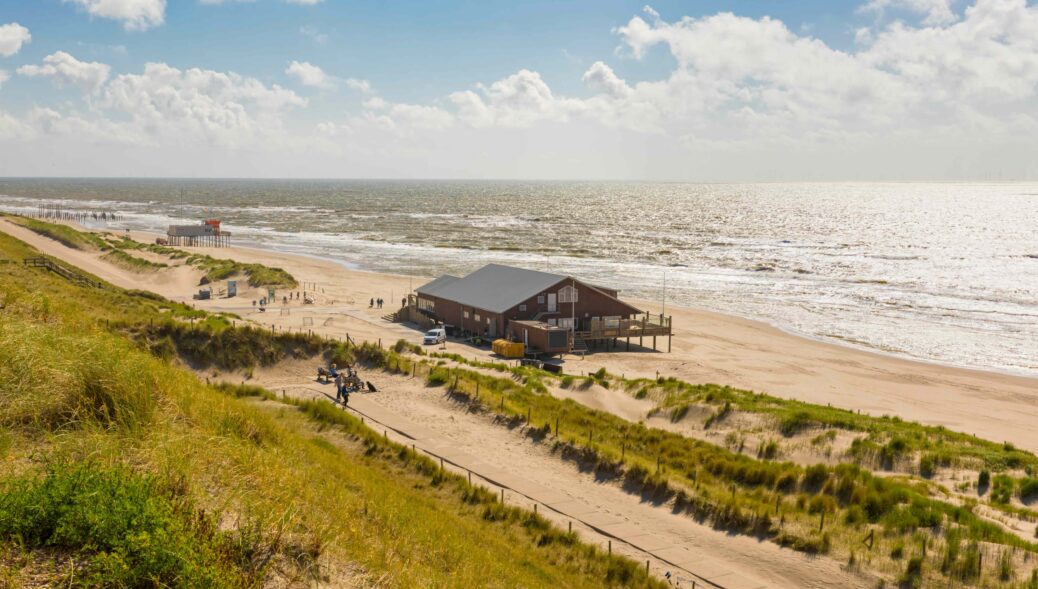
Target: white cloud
[(362, 86), (314, 34), (309, 74), (516, 101), (601, 78), (136, 15), (745, 97), (221, 108), (4, 76), (934, 12), (12, 37), (11, 127), (65, 70)]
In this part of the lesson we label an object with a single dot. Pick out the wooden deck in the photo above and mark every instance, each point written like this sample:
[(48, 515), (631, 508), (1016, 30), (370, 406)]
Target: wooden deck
[(609, 330)]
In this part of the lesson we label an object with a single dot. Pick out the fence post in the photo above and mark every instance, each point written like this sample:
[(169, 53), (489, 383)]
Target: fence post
[(556, 427), (646, 567), (570, 526), (502, 495), (441, 463), (470, 478), (528, 413), (610, 548)]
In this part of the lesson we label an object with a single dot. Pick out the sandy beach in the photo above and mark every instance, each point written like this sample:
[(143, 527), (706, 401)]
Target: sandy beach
[(707, 347)]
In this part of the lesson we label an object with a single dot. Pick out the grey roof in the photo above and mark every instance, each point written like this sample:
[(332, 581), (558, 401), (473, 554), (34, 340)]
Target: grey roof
[(430, 287), (494, 288)]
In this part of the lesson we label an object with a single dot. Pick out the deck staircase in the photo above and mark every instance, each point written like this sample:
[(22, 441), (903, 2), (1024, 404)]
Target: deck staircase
[(579, 345)]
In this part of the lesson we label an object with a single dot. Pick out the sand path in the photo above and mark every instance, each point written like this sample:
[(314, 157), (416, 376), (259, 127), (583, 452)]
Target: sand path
[(412, 413)]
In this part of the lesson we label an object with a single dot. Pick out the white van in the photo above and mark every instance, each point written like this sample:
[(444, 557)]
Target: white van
[(434, 336)]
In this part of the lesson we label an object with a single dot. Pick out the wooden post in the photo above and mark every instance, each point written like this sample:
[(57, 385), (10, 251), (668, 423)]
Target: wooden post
[(502, 495), (470, 478), (610, 548), (441, 463), (646, 567), (535, 509), (571, 526), (528, 411), (385, 435)]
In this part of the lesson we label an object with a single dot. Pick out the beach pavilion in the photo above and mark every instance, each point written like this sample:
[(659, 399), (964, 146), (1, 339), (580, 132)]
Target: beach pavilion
[(550, 313)]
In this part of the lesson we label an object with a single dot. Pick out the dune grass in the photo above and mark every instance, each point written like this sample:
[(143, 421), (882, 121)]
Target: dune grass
[(814, 509), (63, 234), (131, 262), (141, 475), (215, 268)]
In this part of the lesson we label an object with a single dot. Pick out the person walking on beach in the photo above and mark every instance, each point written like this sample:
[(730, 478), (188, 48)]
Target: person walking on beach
[(371, 304), (338, 387)]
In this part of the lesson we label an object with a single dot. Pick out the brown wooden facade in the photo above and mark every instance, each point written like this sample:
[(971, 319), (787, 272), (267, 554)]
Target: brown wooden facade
[(593, 303)]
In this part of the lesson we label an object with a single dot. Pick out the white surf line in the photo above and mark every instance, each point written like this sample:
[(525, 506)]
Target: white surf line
[(502, 485)]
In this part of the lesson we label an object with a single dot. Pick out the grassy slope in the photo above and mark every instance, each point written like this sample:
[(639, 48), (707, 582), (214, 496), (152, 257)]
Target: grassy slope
[(62, 234), (214, 268), (217, 490)]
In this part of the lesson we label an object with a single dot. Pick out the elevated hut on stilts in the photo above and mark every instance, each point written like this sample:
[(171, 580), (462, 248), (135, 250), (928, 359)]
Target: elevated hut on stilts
[(205, 234)]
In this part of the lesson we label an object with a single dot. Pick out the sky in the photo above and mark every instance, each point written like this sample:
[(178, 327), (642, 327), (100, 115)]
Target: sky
[(695, 90)]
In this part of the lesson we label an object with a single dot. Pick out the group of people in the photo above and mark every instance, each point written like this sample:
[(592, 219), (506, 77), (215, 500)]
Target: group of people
[(376, 303), (342, 392)]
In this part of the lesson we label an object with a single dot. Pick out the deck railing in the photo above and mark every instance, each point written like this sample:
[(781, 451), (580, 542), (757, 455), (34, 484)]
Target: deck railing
[(610, 327)]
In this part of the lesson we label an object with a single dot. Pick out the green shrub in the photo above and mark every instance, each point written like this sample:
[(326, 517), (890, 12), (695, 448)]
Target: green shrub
[(768, 450), (795, 423), (913, 574), (927, 465), (1029, 489), (898, 551), (815, 476), (984, 480), (567, 381), (1002, 489), (132, 531)]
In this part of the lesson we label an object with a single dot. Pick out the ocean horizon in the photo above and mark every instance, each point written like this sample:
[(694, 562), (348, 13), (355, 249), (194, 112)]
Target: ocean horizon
[(940, 272)]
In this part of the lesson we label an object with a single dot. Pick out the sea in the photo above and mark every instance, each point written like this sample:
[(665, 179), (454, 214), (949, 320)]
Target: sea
[(940, 272)]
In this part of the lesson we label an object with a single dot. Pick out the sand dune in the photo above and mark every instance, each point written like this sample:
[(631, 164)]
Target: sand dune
[(707, 347)]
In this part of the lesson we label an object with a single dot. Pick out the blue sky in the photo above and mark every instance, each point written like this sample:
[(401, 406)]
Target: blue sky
[(875, 89), (413, 50)]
